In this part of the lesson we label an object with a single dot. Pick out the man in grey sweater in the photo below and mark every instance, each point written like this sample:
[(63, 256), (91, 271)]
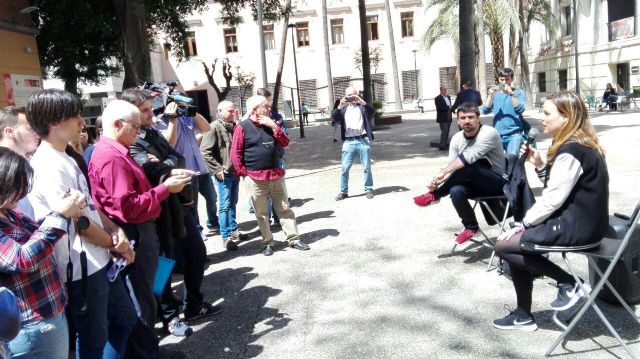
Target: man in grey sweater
[(215, 148), (476, 167)]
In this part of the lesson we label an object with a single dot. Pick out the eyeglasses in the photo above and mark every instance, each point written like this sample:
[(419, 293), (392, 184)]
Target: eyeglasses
[(136, 126)]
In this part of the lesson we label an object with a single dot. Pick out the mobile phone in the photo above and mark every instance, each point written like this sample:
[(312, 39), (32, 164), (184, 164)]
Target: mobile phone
[(500, 87), (350, 98), (197, 173)]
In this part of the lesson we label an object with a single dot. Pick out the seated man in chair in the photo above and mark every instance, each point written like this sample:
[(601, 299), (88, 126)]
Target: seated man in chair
[(476, 167)]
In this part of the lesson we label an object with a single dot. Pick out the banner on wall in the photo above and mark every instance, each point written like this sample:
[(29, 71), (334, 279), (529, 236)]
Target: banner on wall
[(20, 87)]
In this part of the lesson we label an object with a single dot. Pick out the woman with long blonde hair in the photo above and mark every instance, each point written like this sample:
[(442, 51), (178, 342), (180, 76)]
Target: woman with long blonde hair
[(572, 211)]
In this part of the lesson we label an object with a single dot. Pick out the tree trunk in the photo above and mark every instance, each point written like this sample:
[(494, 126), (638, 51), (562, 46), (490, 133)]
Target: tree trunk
[(467, 58), (524, 52), (366, 62), (283, 46), (497, 53), (482, 58), (71, 84), (133, 26), (394, 62), (327, 55)]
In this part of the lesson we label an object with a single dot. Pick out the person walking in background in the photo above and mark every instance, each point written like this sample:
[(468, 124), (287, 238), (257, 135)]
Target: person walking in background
[(468, 94), (572, 211), (305, 113), (443, 117), (353, 116), (507, 104)]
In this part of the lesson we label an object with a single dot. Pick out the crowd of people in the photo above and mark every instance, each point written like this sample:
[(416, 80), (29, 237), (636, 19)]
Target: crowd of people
[(83, 223)]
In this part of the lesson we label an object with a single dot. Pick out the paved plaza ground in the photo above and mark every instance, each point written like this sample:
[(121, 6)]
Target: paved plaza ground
[(379, 280)]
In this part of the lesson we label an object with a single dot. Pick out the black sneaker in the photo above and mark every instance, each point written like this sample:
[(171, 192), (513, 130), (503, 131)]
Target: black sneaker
[(369, 194), (301, 246), (568, 296), (267, 251), (205, 310), (516, 319), (341, 196)]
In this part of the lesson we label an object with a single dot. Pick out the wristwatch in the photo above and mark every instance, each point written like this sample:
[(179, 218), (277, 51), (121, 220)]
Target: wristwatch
[(82, 223), (59, 215)]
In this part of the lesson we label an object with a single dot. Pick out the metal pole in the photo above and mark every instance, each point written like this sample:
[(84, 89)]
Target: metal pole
[(263, 60), (295, 66), (394, 62), (327, 54), (415, 71), (575, 45)]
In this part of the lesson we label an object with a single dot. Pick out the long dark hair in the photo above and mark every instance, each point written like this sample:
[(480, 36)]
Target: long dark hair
[(15, 177)]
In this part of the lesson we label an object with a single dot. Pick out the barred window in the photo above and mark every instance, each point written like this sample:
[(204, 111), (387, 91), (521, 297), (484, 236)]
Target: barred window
[(234, 96), (340, 85), (448, 77), (309, 93), (542, 82), (379, 85), (411, 81)]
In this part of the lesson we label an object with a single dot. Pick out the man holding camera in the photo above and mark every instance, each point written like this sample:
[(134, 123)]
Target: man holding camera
[(180, 124), (254, 155), (507, 104), (353, 115)]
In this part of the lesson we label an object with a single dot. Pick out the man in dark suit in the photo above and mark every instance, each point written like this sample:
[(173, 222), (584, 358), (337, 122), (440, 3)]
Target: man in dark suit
[(468, 94), (443, 110)]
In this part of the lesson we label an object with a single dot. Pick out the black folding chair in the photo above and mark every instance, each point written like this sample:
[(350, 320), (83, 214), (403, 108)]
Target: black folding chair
[(488, 241), (606, 250)]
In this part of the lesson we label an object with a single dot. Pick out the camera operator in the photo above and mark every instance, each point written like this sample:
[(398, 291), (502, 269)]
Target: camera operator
[(179, 124), (353, 115), (507, 104)]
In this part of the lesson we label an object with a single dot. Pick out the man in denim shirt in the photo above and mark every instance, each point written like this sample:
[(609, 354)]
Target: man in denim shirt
[(507, 104)]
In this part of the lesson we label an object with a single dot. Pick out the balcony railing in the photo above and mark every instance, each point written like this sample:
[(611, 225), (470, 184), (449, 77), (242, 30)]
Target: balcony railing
[(622, 29)]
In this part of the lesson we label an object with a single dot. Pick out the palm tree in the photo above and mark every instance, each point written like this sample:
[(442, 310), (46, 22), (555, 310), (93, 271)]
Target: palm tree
[(499, 17), (467, 41)]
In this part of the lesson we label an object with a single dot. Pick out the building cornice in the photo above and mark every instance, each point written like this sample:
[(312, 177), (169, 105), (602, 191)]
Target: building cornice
[(406, 3), (12, 26)]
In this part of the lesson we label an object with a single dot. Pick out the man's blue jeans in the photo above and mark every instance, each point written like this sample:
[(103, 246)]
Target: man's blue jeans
[(512, 143), (472, 180), (349, 149), (44, 339), (227, 200), (203, 185), (103, 330)]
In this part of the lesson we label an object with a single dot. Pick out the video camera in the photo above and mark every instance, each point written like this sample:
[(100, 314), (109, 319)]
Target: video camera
[(164, 93)]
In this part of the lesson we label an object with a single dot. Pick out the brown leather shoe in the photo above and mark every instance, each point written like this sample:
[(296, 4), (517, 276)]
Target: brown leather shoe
[(229, 244)]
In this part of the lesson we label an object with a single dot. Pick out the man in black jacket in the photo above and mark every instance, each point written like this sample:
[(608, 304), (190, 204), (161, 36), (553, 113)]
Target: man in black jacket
[(443, 117), (177, 220), (468, 94)]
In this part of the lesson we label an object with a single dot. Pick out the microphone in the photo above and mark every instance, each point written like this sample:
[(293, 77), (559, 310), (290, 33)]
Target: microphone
[(533, 133)]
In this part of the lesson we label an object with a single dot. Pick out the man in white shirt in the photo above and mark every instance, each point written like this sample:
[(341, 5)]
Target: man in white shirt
[(101, 310), (353, 116)]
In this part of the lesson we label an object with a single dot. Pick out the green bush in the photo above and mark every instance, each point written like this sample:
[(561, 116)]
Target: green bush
[(378, 108)]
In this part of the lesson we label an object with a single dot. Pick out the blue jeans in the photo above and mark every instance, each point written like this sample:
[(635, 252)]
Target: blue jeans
[(349, 149), (204, 186), (227, 200), (103, 330), (512, 143), (44, 339)]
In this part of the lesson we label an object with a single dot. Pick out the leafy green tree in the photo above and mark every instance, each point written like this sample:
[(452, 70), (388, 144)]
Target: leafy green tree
[(76, 41)]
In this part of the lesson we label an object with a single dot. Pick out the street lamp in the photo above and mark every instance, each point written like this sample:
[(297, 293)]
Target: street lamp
[(295, 66), (415, 71)]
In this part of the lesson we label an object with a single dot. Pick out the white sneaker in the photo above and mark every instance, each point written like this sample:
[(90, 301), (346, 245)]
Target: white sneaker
[(179, 328)]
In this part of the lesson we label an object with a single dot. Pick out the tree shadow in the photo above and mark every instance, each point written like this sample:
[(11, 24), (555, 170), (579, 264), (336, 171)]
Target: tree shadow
[(299, 202), (231, 333), (315, 215), (314, 236)]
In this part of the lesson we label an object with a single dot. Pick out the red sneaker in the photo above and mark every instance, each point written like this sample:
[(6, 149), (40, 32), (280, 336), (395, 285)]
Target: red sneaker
[(466, 235), (426, 199)]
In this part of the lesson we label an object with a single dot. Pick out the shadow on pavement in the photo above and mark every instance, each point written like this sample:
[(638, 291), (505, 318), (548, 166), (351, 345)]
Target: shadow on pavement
[(315, 215), (244, 319), (299, 202)]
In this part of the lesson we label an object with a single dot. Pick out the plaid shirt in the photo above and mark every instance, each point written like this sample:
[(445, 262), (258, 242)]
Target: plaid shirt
[(27, 265)]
